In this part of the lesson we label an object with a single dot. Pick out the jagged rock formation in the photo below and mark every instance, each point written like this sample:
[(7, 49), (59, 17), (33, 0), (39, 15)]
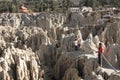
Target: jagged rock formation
[(17, 64), (40, 46), (112, 53)]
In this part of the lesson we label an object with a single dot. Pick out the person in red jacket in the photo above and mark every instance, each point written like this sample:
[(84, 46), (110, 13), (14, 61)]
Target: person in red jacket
[(100, 51)]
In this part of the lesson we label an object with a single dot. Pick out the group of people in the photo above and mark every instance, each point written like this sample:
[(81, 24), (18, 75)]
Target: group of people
[(100, 50)]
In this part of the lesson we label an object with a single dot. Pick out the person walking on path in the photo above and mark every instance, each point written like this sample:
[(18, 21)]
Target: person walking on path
[(100, 51)]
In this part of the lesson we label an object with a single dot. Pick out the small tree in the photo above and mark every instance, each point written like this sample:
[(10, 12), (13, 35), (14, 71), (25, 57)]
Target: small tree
[(66, 4), (53, 5), (5, 6)]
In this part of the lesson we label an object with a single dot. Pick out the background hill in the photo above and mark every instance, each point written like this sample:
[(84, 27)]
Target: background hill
[(53, 5)]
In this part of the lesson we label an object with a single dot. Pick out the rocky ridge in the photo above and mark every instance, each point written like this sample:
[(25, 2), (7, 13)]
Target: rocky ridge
[(39, 46)]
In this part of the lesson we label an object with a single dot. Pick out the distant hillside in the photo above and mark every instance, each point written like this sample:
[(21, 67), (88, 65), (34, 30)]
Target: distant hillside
[(76, 2), (6, 0), (53, 5)]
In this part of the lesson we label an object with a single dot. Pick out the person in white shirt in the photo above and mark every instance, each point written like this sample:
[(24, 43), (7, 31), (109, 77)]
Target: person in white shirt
[(76, 44)]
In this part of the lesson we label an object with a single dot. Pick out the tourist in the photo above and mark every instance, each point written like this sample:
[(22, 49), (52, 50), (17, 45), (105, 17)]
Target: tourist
[(76, 44), (100, 51)]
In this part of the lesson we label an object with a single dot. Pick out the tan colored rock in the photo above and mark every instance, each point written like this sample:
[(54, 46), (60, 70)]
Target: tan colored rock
[(28, 45), (112, 55), (115, 77), (71, 74), (34, 69), (77, 60), (88, 45)]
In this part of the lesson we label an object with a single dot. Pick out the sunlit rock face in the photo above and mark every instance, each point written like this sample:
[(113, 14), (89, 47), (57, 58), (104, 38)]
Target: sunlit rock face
[(40, 46), (18, 64), (112, 32), (72, 61), (112, 54)]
